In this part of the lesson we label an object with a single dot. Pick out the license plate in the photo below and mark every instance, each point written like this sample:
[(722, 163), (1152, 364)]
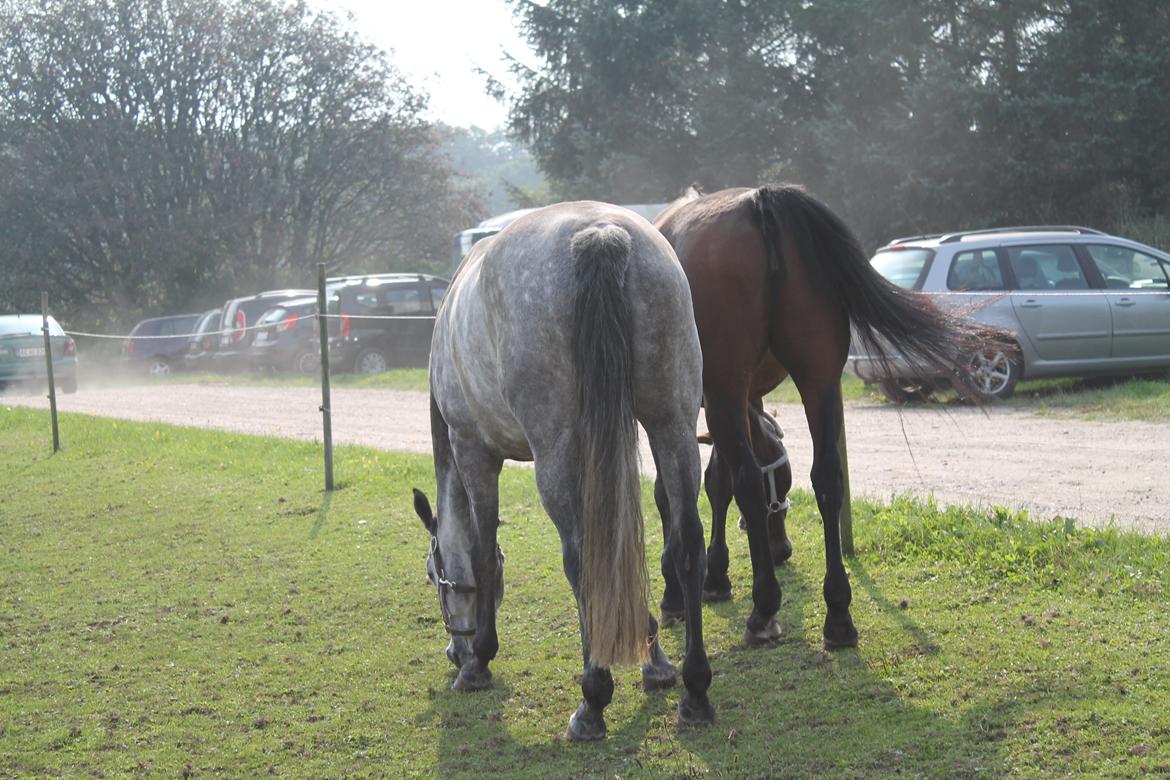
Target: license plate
[(28, 352), (261, 336)]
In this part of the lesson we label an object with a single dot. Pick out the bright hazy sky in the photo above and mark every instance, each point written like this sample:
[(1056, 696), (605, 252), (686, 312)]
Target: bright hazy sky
[(438, 44)]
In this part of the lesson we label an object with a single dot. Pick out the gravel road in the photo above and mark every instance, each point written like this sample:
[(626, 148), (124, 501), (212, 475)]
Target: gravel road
[(1097, 472)]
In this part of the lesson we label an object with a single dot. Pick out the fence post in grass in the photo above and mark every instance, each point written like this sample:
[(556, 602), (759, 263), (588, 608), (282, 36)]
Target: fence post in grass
[(327, 414), (847, 499), (49, 369)]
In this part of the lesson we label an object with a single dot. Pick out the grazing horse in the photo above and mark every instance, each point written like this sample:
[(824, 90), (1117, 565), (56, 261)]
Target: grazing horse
[(558, 336), (777, 279)]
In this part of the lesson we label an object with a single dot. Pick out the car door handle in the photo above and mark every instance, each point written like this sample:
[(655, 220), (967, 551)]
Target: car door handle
[(1031, 303), (1124, 302)]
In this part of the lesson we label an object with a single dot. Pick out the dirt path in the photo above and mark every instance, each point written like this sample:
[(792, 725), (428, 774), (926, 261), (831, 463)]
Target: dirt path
[(1093, 471)]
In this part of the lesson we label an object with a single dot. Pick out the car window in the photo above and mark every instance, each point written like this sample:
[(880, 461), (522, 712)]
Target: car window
[(437, 295), (1052, 267), (1124, 268), (402, 300), (145, 328), (904, 267), (272, 315), (973, 271)]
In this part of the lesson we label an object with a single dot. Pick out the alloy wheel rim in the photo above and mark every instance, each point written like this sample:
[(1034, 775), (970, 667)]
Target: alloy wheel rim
[(372, 363), (992, 370)]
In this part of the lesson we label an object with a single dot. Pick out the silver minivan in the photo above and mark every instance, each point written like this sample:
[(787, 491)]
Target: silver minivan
[(1077, 302)]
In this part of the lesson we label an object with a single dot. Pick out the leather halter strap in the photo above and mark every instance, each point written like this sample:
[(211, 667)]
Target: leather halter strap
[(446, 586)]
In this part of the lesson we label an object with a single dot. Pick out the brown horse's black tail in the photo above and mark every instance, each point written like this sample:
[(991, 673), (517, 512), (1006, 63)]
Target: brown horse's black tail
[(888, 321)]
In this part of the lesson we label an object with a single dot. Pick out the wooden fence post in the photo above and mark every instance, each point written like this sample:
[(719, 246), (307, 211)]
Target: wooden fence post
[(49, 369), (326, 412)]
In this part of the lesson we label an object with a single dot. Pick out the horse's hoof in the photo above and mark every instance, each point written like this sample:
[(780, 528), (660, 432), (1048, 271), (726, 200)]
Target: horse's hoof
[(670, 618), (695, 710), (583, 728), (716, 594), (472, 678), (655, 677), (763, 636), (839, 632)]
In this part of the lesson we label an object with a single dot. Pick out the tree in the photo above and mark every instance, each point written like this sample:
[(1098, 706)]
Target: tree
[(905, 115), (158, 154)]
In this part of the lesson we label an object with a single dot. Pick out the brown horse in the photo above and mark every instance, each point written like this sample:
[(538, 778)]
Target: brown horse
[(776, 280)]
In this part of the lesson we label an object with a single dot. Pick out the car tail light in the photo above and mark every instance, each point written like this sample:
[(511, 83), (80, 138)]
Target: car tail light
[(71, 348), (241, 324), (288, 323), (345, 326), (127, 347)]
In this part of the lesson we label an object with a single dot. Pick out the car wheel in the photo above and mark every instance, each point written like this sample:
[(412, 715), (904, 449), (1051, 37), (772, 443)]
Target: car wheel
[(371, 361), (69, 386), (995, 372), (158, 367), (306, 362), (902, 391)]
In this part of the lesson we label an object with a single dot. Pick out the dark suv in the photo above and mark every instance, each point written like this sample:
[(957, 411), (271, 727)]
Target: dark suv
[(233, 350), (287, 338), (158, 345), (364, 343)]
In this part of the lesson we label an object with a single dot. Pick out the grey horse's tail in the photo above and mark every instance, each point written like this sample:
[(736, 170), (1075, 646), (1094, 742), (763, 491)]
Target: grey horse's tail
[(614, 582)]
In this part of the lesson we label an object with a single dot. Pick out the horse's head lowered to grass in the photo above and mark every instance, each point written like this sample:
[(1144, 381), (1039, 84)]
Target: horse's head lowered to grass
[(455, 585)]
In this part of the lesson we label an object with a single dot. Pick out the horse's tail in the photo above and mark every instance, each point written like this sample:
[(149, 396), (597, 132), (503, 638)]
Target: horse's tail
[(614, 583), (888, 320)]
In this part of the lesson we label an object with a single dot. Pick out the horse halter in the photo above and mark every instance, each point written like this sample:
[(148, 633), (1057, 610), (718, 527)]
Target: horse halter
[(446, 586), (769, 471)]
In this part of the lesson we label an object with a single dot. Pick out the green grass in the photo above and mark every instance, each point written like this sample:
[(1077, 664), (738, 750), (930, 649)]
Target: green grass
[(175, 601), (1106, 398)]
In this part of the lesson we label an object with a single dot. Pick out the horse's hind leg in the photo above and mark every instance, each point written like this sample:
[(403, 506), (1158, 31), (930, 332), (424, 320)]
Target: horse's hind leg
[(677, 459), (671, 606), (727, 428), (555, 471), (823, 409), (718, 482)]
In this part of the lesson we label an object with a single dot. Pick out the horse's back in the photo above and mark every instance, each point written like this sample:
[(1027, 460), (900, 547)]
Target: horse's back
[(502, 353)]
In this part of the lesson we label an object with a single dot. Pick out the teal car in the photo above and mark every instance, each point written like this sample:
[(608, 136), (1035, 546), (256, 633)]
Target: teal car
[(22, 352)]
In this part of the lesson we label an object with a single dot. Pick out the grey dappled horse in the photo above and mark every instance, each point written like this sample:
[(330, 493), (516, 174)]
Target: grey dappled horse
[(556, 337)]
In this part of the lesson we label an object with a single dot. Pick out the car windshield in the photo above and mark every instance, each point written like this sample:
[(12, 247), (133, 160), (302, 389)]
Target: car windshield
[(904, 267), (27, 325)]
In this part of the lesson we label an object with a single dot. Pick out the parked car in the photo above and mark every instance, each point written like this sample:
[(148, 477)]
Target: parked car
[(287, 338), (22, 352), (159, 345), (203, 340), (370, 346), (233, 350), (1077, 302)]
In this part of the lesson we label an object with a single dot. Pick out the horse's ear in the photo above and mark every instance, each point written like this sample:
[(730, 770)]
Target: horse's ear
[(422, 508)]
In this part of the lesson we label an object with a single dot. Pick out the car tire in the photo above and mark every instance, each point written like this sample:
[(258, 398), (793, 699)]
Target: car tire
[(903, 391), (996, 372), (306, 362), (158, 367), (69, 386), (371, 361)]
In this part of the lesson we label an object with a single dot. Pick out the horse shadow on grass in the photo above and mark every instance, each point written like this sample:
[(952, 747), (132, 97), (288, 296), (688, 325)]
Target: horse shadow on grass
[(790, 709)]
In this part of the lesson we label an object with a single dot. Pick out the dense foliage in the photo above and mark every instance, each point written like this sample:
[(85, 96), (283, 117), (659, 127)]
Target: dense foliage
[(908, 115), (157, 155)]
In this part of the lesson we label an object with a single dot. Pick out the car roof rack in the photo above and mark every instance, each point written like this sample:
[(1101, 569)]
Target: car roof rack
[(922, 237), (951, 238)]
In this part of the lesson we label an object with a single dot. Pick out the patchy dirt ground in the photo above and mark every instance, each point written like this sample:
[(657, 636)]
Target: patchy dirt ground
[(1097, 472)]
